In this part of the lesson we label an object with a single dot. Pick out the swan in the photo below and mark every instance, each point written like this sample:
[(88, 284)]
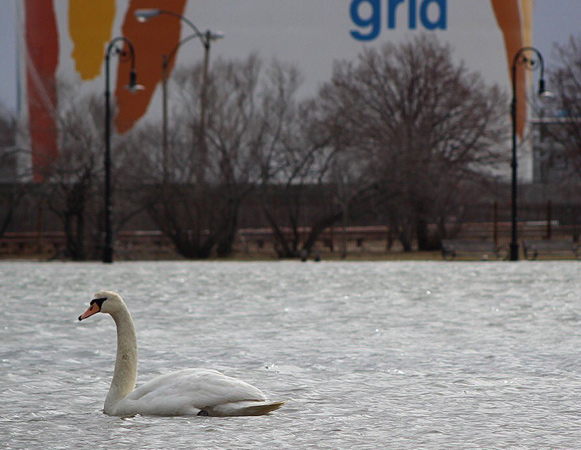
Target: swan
[(188, 392)]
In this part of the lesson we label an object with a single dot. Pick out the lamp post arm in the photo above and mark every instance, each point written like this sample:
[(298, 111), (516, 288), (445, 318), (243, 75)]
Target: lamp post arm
[(189, 23), (127, 42), (171, 55), (530, 63)]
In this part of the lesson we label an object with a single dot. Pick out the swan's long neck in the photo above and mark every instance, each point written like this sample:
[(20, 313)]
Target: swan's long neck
[(125, 373)]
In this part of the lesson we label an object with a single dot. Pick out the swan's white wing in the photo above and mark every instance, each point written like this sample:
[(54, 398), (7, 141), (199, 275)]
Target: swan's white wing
[(187, 392)]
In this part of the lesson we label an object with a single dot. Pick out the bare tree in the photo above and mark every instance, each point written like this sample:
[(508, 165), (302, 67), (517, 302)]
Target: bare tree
[(318, 182), (417, 124), (71, 182), (11, 192), (565, 82), (317, 178), (74, 182), (198, 206), (292, 161)]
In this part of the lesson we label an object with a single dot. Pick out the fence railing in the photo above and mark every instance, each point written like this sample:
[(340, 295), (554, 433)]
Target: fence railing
[(370, 238)]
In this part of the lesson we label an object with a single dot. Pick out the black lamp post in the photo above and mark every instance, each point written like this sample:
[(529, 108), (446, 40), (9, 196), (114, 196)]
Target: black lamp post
[(530, 58), (133, 87), (206, 38)]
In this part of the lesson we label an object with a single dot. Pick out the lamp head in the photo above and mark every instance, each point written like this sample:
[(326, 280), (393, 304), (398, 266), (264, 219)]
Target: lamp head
[(215, 35), (133, 87), (543, 93), (143, 15)]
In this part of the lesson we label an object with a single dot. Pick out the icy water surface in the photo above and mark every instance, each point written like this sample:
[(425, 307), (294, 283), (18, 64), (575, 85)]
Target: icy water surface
[(418, 355)]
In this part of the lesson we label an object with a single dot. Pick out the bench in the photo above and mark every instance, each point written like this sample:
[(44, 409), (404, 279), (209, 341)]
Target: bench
[(533, 248), (453, 247)]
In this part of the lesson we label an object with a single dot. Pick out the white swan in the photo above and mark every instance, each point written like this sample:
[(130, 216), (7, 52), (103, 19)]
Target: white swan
[(186, 392)]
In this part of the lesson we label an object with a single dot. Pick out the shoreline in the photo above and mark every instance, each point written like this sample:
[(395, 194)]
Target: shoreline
[(240, 256)]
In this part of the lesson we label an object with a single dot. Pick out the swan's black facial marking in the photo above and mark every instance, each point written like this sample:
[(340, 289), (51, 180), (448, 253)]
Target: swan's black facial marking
[(99, 302), (96, 306)]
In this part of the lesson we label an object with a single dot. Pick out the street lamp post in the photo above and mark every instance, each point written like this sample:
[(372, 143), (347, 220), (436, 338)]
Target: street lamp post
[(166, 60), (530, 58), (206, 38), (133, 87)]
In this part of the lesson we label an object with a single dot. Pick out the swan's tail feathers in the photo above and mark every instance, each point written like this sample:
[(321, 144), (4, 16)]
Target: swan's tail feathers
[(247, 408), (259, 410)]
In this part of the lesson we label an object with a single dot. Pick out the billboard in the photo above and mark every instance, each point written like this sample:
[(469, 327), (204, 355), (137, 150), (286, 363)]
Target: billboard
[(68, 40)]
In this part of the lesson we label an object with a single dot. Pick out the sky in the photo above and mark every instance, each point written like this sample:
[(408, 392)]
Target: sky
[(554, 21)]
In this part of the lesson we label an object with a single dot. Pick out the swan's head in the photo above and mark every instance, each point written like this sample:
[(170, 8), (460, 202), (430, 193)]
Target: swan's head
[(106, 302)]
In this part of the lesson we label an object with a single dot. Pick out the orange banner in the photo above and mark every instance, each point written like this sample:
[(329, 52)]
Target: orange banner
[(514, 18), (90, 27), (151, 40), (42, 46)]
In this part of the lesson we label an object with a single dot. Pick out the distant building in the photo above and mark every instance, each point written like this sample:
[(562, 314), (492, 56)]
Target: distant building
[(551, 162)]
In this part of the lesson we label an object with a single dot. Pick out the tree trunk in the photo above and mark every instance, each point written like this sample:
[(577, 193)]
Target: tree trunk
[(422, 234), (318, 228)]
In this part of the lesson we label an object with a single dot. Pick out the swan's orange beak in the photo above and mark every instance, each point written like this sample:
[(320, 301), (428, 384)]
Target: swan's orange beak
[(93, 309)]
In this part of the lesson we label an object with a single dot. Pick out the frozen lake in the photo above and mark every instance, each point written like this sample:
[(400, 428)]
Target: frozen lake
[(402, 355)]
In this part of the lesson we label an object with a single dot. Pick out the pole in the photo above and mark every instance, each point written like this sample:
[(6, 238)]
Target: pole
[(531, 63), (203, 107), (549, 219), (495, 223), (514, 250), (166, 60), (164, 132), (206, 39), (108, 250)]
